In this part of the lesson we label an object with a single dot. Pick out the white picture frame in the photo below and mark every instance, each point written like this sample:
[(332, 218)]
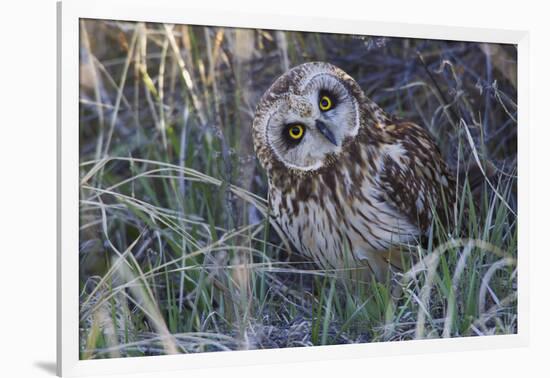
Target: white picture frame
[(69, 13)]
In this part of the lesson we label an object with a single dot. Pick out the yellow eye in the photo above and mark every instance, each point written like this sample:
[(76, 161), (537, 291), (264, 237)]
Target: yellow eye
[(296, 131), (325, 103)]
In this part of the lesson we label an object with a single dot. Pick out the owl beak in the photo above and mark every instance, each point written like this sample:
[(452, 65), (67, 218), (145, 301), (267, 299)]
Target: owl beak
[(323, 129)]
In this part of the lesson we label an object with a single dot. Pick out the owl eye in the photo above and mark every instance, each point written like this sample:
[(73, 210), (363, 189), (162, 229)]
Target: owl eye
[(296, 132), (325, 103)]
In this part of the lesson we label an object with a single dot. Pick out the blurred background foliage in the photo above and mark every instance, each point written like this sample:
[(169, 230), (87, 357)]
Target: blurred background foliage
[(176, 254)]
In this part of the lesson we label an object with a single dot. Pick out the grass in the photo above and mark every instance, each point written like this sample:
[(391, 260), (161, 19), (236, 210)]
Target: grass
[(177, 254)]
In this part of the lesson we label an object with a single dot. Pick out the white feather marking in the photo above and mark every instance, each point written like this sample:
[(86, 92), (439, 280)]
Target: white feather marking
[(396, 152)]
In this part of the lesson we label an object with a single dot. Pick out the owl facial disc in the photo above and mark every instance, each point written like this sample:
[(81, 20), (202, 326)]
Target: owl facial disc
[(309, 118)]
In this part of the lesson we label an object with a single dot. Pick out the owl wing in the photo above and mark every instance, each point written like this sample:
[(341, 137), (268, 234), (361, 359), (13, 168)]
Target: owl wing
[(414, 177)]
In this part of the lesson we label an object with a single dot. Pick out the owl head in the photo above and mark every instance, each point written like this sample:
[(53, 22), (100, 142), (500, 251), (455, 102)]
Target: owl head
[(307, 117)]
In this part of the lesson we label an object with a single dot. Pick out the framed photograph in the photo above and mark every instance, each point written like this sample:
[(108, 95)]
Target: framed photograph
[(241, 188)]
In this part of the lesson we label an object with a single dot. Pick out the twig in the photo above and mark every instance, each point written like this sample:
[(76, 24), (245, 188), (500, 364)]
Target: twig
[(438, 88)]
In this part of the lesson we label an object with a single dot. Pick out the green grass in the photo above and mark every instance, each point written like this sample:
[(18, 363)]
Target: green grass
[(176, 251)]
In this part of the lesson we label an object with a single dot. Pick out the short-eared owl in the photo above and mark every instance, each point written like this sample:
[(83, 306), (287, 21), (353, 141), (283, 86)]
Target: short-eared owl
[(347, 182)]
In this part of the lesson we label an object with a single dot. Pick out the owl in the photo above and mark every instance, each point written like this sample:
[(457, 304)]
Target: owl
[(348, 183)]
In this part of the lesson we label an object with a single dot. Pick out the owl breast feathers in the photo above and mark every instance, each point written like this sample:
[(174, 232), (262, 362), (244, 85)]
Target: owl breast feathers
[(347, 183)]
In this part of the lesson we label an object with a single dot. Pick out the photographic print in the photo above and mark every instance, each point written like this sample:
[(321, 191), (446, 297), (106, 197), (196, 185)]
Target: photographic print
[(250, 189)]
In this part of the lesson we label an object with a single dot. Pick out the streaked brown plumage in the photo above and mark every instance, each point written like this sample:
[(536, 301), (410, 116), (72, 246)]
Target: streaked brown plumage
[(356, 182)]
